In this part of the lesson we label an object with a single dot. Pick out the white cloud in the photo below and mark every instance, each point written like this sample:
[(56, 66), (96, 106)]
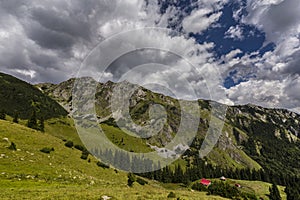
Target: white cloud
[(199, 20), (47, 41), (29, 73), (235, 32), (278, 18)]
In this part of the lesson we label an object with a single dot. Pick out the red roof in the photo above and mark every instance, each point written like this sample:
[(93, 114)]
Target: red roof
[(205, 182)]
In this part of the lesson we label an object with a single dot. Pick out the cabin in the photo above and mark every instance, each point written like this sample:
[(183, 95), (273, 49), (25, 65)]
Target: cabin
[(205, 182)]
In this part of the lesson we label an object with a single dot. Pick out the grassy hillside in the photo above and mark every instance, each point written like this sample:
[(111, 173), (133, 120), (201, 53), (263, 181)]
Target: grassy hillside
[(30, 174), (17, 96), (124, 141), (259, 188)]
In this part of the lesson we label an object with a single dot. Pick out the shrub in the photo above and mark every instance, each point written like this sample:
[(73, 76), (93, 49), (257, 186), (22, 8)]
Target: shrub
[(171, 195), (141, 181), (84, 155), (199, 187), (79, 147), (12, 146), (69, 144), (103, 165), (47, 150), (131, 179), (224, 190)]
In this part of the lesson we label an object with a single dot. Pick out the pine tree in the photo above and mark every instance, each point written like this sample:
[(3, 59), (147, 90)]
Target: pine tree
[(274, 192), (2, 114), (41, 125), (16, 118), (32, 122)]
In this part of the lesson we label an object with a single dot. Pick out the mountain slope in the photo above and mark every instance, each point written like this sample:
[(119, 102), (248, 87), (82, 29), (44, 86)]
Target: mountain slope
[(253, 137), (30, 174), (228, 154), (273, 136), (21, 97)]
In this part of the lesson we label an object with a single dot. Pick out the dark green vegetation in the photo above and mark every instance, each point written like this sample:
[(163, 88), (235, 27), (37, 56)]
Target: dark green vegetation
[(131, 179), (272, 138), (47, 150), (19, 96), (228, 191), (274, 192)]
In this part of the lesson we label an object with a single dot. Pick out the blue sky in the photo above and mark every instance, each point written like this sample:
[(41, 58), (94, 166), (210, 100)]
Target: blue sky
[(249, 50)]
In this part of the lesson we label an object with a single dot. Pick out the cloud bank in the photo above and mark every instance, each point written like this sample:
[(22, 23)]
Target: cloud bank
[(46, 41)]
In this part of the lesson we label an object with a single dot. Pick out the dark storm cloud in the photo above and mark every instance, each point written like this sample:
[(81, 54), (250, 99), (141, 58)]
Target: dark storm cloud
[(41, 59), (136, 58), (50, 39), (62, 23), (44, 36), (293, 66)]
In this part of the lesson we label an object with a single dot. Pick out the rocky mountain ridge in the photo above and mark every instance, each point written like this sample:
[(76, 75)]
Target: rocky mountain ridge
[(247, 136)]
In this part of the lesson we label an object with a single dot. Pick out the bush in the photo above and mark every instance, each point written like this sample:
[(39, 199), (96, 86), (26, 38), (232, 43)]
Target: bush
[(171, 195), (199, 187), (84, 155), (79, 147), (47, 150), (224, 190), (131, 179), (141, 181), (12, 146), (103, 165), (69, 144)]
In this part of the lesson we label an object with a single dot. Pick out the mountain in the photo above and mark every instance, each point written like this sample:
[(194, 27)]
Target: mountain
[(256, 144), (253, 137), (19, 97), (273, 136)]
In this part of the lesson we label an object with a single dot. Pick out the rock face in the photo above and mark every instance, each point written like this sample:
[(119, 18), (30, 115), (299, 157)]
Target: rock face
[(244, 126), (62, 92)]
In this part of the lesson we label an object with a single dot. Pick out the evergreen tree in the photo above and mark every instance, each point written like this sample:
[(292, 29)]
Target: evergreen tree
[(178, 175), (41, 126), (32, 122), (292, 192), (2, 114), (16, 118), (274, 192)]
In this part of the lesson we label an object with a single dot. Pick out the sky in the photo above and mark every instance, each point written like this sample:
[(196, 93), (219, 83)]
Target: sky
[(241, 51)]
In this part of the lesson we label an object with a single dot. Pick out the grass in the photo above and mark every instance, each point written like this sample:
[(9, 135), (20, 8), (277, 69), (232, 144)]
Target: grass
[(30, 174), (125, 141), (31, 190), (63, 128), (259, 188)]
